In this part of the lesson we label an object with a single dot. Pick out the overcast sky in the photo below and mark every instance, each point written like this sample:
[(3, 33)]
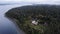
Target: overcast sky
[(32, 1)]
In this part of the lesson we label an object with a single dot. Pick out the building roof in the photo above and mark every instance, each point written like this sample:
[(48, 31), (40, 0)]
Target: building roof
[(34, 22)]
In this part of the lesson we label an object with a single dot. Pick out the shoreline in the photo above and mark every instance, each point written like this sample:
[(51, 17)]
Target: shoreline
[(17, 27)]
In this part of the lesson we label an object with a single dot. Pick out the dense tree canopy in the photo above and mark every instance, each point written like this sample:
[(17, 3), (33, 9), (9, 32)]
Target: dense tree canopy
[(49, 14)]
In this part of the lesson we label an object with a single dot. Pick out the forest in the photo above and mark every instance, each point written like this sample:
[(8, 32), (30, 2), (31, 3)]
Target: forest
[(48, 17)]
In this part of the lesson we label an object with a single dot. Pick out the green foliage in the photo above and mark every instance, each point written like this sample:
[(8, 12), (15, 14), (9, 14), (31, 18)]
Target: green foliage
[(49, 14)]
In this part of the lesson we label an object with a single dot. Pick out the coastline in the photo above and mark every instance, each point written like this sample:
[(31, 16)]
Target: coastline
[(17, 27), (23, 16)]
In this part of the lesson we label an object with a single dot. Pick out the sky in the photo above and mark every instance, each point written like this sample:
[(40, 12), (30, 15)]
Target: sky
[(32, 1)]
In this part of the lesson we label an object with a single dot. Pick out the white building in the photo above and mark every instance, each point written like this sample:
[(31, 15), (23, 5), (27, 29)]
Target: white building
[(34, 22)]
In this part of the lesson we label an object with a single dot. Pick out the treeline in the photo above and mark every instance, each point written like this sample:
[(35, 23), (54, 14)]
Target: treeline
[(47, 13)]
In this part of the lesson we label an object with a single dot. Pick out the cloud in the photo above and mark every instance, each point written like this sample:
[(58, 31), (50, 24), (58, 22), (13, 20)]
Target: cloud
[(10, 0), (32, 1)]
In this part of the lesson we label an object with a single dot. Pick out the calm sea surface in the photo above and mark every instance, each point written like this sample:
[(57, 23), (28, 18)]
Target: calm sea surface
[(7, 26)]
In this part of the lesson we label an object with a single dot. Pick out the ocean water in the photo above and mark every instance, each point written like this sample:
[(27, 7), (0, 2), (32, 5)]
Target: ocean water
[(7, 26)]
